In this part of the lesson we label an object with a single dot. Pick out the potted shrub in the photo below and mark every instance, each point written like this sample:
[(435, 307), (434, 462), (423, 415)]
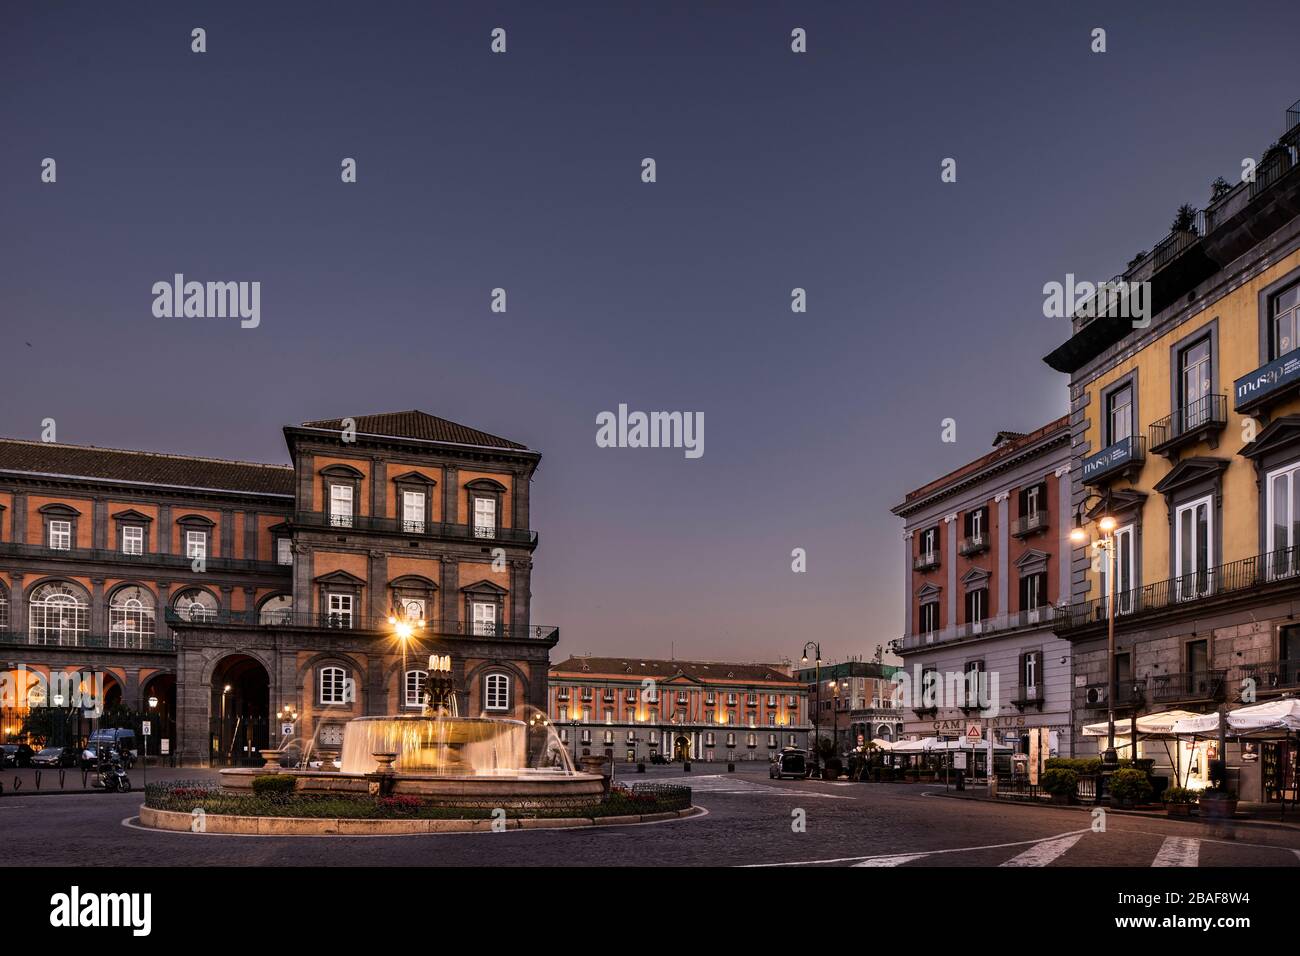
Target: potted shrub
[(1129, 787), (1060, 782), (1219, 802), (1178, 801), (1184, 219)]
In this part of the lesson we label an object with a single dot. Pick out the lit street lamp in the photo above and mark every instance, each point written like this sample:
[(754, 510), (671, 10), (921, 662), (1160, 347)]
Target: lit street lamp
[(817, 679)]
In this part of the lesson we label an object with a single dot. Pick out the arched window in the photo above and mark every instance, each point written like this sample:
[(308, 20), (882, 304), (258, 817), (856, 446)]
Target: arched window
[(333, 685), (413, 695), (277, 609), (60, 614), (131, 621), (196, 604), (497, 692)]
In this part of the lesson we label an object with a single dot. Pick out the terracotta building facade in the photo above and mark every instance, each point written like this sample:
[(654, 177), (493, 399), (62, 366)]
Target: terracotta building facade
[(240, 606)]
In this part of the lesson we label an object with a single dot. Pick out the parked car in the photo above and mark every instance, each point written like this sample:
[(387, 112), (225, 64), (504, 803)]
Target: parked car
[(16, 755), (56, 757), (790, 762), (121, 739)]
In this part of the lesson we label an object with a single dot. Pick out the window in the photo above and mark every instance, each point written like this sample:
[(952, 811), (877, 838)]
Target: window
[(1194, 384), (731, 740), (341, 506), (973, 671), (196, 544), (485, 517), (1029, 673), (930, 542), (130, 617), (333, 685), (1033, 591), (60, 535), (59, 614), (977, 523), (284, 551), (710, 697), (132, 539), (414, 685), (586, 736), (929, 617), (609, 716), (977, 605), (609, 737), (564, 712), (751, 740), (1283, 520), (630, 696), (1197, 656), (413, 511), (339, 608), (1125, 582), (586, 693), (1119, 413), (1033, 500), (771, 740), (485, 618), (1193, 549), (1285, 310), (497, 692), (277, 609), (771, 700), (195, 604), (709, 739)]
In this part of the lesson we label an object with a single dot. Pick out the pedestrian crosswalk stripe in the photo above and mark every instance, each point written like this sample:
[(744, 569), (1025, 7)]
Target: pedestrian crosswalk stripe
[(1178, 851), (892, 860), (1044, 853)]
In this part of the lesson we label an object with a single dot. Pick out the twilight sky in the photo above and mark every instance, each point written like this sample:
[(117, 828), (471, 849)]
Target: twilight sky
[(522, 171)]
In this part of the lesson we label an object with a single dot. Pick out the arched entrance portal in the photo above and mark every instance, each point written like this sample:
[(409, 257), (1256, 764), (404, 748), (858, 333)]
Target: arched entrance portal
[(681, 749), (162, 715), (240, 706)]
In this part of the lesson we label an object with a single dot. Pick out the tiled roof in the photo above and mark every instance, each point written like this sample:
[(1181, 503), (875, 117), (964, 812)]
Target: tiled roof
[(638, 667), (418, 425), (142, 467)]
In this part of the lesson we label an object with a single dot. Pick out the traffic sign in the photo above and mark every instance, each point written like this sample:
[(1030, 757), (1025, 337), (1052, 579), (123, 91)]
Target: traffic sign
[(147, 728), (974, 733)]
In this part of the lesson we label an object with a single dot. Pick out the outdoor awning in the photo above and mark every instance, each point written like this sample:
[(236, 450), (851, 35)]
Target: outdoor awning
[(1276, 719), (1149, 725), (935, 745), (882, 744)]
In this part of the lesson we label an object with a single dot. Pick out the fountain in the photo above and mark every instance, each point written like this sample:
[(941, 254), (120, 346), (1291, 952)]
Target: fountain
[(444, 758)]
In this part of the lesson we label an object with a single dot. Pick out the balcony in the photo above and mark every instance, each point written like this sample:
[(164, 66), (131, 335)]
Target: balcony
[(1267, 384), (1200, 421), (1277, 570), (151, 559), (1126, 455), (1129, 694), (1270, 676), (1028, 696), (440, 530), (371, 625), (109, 642), (1192, 686), (1029, 524), (975, 544), (926, 561)]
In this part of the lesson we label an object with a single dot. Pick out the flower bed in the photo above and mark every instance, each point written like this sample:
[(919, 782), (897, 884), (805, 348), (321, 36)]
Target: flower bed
[(188, 796)]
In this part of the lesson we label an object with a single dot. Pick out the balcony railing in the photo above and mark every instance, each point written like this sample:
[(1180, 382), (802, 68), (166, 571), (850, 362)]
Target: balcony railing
[(1270, 675), (1119, 457), (112, 642), (416, 529), (1177, 242), (346, 622), (1196, 422), (973, 545), (925, 561), (1190, 686), (1028, 524), (1128, 694), (151, 559), (1261, 570)]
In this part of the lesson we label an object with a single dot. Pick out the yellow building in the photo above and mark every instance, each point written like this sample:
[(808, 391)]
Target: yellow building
[(1186, 431)]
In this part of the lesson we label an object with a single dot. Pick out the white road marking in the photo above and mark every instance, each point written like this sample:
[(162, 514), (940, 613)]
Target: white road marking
[(1044, 853), (1178, 851), (892, 860), (879, 856)]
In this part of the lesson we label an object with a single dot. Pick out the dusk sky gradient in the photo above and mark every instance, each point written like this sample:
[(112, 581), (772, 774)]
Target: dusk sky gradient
[(522, 170)]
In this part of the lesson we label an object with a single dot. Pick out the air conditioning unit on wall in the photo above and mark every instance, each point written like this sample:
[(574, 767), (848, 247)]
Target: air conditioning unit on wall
[(1096, 695)]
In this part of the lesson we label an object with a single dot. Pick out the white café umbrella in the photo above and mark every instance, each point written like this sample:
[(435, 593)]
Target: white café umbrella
[(882, 744), (1148, 725), (1275, 719)]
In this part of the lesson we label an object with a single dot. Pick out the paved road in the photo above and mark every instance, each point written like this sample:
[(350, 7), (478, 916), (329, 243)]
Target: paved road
[(749, 823)]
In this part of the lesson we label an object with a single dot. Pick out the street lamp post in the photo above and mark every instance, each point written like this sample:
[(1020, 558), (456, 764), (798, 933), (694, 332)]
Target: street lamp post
[(1106, 544), (835, 716), (817, 650)]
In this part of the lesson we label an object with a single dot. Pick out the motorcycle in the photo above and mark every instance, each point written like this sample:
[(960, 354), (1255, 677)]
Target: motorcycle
[(112, 777)]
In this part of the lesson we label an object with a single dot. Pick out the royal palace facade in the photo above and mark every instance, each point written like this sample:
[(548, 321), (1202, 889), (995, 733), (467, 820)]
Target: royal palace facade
[(242, 606)]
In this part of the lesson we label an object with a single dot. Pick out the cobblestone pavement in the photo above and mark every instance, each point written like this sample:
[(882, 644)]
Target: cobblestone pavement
[(750, 822)]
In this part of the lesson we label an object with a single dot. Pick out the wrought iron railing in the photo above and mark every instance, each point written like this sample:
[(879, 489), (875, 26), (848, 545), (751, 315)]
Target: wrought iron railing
[(1277, 162), (345, 622), (1192, 685), (1274, 568), (925, 560), (151, 559), (1208, 412), (418, 529), (1270, 675), (1178, 241), (973, 544), (1029, 524), (112, 642)]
